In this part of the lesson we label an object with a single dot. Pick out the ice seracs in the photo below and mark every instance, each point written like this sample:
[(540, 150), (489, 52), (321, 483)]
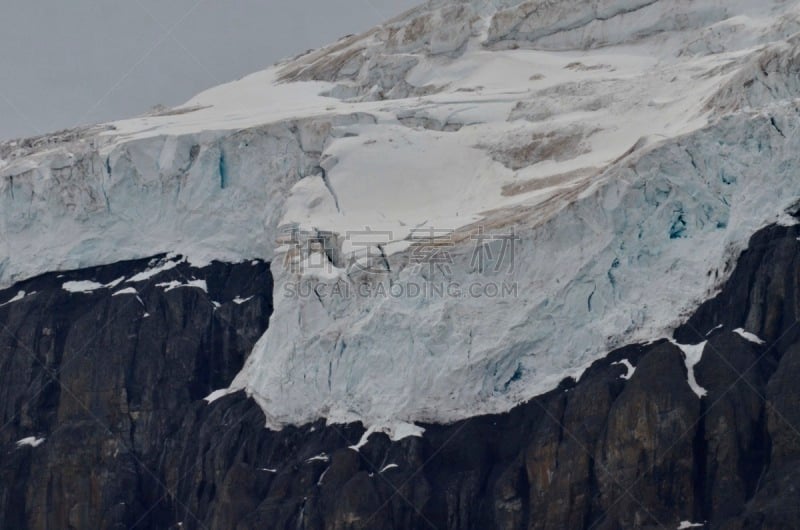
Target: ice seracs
[(628, 148)]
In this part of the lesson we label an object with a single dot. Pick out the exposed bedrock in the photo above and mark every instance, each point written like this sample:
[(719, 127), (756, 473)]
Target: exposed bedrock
[(98, 379)]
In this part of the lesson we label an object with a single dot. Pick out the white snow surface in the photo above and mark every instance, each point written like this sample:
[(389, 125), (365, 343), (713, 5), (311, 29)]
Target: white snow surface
[(752, 337), (216, 394), (167, 264), (628, 366), (16, 298), (175, 284), (82, 286), (364, 439), (127, 290), (239, 300), (692, 355), (88, 286), (633, 146), (30, 441)]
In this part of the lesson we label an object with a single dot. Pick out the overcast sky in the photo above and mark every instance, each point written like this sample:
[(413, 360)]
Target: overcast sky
[(70, 62)]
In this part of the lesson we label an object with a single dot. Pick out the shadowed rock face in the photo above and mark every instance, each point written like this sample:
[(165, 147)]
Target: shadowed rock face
[(129, 443), (107, 379)]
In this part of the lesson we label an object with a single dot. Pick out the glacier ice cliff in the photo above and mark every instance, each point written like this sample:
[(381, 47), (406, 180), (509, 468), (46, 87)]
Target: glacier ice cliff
[(633, 147)]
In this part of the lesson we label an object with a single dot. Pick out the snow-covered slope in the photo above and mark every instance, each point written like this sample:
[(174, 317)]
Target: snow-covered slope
[(629, 146)]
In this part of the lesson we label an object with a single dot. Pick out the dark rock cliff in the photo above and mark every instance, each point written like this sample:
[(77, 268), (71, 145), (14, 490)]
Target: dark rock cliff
[(129, 443), (106, 380)]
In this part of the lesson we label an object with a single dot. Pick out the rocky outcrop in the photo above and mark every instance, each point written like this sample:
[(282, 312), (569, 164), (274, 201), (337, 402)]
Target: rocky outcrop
[(104, 373), (129, 442)]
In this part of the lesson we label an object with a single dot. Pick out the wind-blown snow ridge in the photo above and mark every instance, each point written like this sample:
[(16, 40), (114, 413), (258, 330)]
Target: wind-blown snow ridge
[(632, 146)]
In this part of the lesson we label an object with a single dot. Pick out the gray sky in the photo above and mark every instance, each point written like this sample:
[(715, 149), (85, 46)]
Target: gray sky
[(65, 63)]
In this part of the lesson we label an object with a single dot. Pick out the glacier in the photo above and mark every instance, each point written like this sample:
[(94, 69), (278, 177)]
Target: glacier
[(631, 146)]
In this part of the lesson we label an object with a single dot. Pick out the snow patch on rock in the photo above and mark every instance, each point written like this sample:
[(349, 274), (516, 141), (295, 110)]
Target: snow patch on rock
[(239, 300), (749, 336), (628, 366), (692, 355), (30, 441), (16, 298), (157, 268), (127, 290), (176, 284), (88, 286), (216, 394)]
